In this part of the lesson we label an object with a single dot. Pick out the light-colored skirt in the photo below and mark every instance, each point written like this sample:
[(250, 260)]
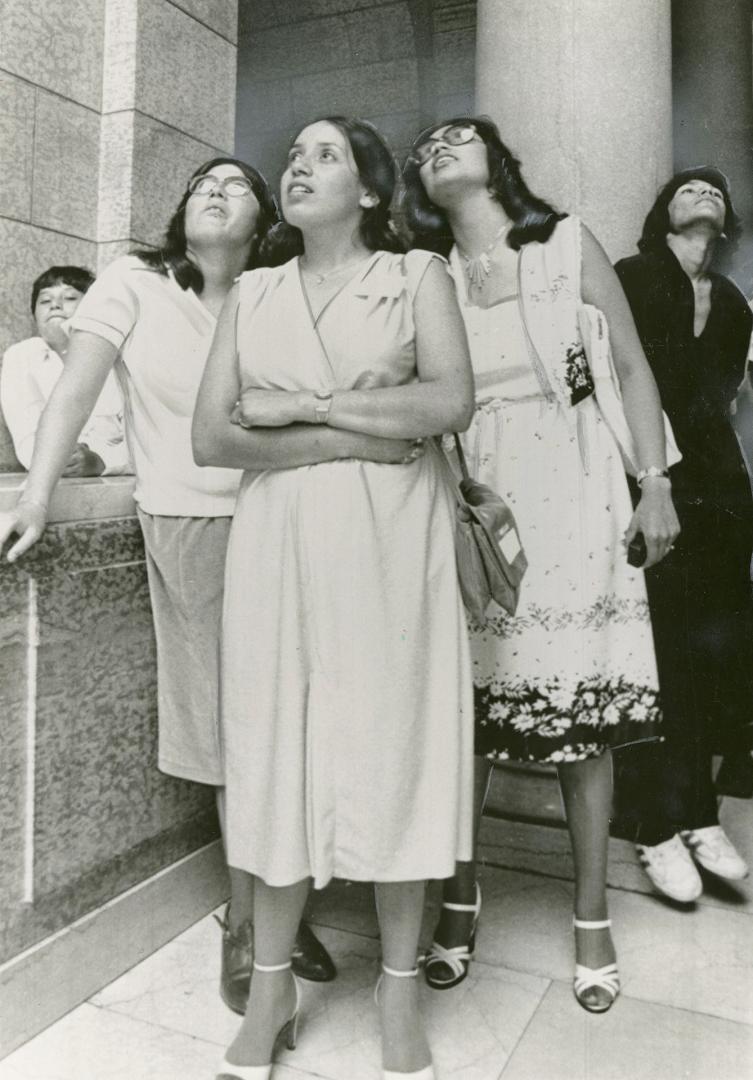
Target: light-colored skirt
[(573, 672), (185, 560), (347, 709)]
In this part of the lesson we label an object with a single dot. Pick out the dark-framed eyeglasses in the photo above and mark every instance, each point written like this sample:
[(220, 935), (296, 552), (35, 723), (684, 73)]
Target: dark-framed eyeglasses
[(426, 144), (234, 186)]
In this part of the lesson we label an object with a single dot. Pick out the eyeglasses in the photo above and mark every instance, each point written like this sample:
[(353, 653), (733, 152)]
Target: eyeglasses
[(235, 186), (457, 135)]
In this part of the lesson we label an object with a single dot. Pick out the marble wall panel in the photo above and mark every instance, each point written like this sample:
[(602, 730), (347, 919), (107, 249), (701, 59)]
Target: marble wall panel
[(16, 146), (259, 14), (57, 46), (190, 84), (389, 86), (298, 49), (14, 593), (66, 166), (455, 61), (219, 15), (384, 33), (120, 49), (262, 106), (115, 176), (163, 159)]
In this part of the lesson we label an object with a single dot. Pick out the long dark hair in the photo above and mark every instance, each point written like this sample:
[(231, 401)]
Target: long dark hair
[(172, 254), (657, 225), (377, 171), (532, 217)]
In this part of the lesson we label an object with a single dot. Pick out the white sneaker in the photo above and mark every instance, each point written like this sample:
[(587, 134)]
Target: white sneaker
[(713, 849), (671, 869)]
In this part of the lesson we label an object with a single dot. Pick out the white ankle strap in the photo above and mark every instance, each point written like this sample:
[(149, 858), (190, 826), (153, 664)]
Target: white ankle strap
[(400, 974), (583, 924), (272, 967)]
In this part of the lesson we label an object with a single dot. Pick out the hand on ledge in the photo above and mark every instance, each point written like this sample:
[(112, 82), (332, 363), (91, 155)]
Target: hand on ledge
[(84, 462)]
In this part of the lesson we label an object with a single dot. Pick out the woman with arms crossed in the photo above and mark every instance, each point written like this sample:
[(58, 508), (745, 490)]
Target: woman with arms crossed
[(346, 689)]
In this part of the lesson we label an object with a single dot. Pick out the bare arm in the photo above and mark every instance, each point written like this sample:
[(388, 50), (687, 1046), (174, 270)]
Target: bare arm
[(89, 360), (441, 400), (218, 440), (655, 516)]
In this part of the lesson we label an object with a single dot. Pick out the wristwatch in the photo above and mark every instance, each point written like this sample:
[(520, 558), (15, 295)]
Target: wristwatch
[(324, 404), (653, 471)]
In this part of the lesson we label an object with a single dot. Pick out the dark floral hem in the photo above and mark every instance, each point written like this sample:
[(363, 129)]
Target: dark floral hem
[(606, 610), (553, 722)]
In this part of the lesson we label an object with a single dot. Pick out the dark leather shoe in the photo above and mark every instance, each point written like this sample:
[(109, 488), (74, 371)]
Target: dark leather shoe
[(237, 962), (310, 959)]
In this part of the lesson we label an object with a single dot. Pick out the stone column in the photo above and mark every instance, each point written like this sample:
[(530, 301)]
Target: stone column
[(168, 103), (712, 62), (581, 90)]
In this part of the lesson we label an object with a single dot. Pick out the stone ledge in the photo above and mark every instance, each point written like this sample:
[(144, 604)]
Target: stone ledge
[(91, 498)]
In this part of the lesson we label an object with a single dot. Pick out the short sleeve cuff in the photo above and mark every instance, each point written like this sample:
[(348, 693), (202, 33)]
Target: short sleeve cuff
[(104, 330)]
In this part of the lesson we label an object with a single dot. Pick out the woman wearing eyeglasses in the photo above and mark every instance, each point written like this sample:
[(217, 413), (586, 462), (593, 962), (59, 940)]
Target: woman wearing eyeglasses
[(153, 316), (573, 672)]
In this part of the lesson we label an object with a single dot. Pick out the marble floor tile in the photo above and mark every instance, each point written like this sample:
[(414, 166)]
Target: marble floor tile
[(94, 1044), (177, 987), (634, 1041), (691, 959), (472, 1029)]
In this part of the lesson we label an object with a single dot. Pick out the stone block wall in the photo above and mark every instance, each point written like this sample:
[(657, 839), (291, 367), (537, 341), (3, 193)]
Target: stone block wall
[(399, 64)]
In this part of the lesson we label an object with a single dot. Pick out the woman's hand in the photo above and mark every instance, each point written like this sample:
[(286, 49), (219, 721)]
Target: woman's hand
[(390, 451), (271, 408), (655, 517), (84, 462), (27, 521)]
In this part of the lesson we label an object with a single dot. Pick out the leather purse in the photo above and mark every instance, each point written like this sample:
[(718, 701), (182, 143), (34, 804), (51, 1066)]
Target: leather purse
[(489, 555)]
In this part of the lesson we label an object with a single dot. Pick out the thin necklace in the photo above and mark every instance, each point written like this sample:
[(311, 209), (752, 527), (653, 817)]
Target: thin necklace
[(319, 279), (478, 267)]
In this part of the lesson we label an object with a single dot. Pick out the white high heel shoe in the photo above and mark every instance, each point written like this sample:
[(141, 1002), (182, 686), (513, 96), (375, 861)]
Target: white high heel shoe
[(605, 978), (427, 1073), (288, 1031)]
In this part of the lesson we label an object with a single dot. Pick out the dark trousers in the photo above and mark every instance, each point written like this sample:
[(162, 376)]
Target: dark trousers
[(703, 657)]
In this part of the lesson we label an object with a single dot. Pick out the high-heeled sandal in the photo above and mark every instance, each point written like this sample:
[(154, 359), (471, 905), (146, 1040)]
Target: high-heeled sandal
[(427, 1073), (604, 978), (288, 1031), (457, 958)]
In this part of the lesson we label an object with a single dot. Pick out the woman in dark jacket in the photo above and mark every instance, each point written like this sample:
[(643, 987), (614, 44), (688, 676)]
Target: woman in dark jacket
[(695, 328)]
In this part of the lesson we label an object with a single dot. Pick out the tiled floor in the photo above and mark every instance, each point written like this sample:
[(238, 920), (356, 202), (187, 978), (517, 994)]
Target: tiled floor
[(686, 1011)]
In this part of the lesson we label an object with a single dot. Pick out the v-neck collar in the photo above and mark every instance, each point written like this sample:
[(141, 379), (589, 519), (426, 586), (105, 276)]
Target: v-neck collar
[(359, 272)]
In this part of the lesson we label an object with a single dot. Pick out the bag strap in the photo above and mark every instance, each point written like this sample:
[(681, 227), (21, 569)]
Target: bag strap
[(461, 457)]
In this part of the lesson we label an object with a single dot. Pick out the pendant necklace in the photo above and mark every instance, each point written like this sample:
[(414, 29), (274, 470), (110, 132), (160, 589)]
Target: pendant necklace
[(319, 279), (478, 267)]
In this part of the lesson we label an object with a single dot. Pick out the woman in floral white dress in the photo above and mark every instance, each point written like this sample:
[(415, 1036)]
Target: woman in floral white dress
[(572, 673)]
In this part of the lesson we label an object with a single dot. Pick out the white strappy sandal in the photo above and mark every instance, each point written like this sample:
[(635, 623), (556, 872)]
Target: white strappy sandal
[(457, 958), (288, 1032), (604, 978)]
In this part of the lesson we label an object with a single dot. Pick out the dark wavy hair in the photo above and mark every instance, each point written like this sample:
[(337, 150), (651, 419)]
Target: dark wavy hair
[(172, 255), (77, 277), (377, 171), (657, 225), (533, 218)]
